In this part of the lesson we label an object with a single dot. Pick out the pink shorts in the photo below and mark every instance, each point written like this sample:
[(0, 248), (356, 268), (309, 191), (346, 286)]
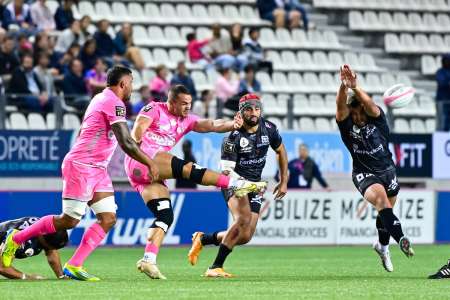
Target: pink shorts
[(81, 181), (138, 174)]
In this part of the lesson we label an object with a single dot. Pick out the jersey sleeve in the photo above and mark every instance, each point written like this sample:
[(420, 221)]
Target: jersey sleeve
[(192, 120), (275, 137), (229, 147), (149, 111), (116, 112)]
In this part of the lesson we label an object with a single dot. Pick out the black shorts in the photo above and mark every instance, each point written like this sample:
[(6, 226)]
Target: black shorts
[(255, 199), (388, 180)]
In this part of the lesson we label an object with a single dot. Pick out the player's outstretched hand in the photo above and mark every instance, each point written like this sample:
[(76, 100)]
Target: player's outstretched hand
[(348, 77), (154, 171), (280, 190), (238, 121)]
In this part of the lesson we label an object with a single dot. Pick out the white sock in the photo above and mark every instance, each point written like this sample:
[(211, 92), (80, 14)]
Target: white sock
[(384, 248), (150, 257), (234, 182)]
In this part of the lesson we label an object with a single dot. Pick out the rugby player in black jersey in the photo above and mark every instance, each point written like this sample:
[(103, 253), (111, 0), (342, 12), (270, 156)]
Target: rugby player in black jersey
[(244, 154), (365, 133), (48, 243)]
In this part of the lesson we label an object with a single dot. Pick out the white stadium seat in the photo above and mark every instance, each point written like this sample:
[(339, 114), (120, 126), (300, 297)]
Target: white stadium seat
[(36, 121), (18, 121), (71, 121)]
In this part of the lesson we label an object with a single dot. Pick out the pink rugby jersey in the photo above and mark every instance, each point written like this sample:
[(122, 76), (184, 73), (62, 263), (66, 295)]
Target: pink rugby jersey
[(96, 141)]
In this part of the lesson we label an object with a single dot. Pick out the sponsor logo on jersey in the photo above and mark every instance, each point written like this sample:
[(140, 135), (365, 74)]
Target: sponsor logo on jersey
[(228, 147), (243, 142), (147, 108), (264, 140), (120, 111)]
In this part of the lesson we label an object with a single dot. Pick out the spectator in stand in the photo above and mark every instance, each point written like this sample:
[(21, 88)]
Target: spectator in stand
[(69, 36), (283, 13), (25, 81), (249, 84), (145, 98), (64, 61), (88, 54), (85, 23), (74, 86), (188, 156), (196, 50), (226, 86), (124, 46), (237, 35), (96, 78), (23, 44), (443, 93), (64, 15), (220, 49), (303, 170), (182, 77), (43, 44), (2, 12), (42, 16), (8, 58), (206, 97), (254, 52), (44, 74), (18, 14), (159, 86)]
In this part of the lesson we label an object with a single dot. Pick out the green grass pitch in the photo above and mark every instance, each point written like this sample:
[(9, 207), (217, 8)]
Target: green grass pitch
[(262, 273)]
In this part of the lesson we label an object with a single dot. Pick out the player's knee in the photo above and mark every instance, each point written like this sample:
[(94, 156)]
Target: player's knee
[(66, 222), (178, 168), (163, 212), (193, 172), (243, 222), (107, 220), (245, 237)]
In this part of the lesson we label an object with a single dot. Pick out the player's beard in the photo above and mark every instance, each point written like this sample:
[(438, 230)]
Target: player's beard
[(249, 122)]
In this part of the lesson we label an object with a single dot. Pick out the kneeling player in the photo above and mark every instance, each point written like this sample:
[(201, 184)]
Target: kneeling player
[(159, 126), (48, 242), (243, 154), (365, 132)]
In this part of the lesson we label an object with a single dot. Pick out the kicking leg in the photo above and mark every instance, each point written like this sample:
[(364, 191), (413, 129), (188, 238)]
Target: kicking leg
[(156, 197), (172, 167)]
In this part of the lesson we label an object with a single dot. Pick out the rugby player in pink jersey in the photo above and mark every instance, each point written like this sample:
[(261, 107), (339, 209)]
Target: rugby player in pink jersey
[(85, 178), (158, 127)]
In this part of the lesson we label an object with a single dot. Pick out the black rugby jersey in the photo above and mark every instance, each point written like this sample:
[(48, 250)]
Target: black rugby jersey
[(31, 247), (369, 145), (249, 150)]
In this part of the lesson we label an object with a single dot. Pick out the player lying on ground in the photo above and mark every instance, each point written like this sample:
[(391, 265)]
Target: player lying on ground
[(442, 273), (85, 178), (158, 127), (244, 154), (50, 243), (365, 133)]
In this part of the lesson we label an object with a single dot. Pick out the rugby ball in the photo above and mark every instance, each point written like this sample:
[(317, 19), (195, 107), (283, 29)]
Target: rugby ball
[(398, 95)]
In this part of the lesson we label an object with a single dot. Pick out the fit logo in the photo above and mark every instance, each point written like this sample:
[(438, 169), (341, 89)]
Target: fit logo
[(409, 154)]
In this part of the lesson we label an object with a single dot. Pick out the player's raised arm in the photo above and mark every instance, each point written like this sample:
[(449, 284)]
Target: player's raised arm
[(131, 148), (342, 110), (350, 81), (208, 125), (54, 261)]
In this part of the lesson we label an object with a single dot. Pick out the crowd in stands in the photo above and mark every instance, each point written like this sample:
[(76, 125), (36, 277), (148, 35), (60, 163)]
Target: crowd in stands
[(44, 54)]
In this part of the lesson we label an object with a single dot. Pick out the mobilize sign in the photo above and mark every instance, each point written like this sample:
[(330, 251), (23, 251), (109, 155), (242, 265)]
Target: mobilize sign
[(340, 218), (412, 154)]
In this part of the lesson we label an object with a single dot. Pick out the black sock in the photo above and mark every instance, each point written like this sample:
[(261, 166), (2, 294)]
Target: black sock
[(383, 235), (210, 239), (221, 256), (391, 223)]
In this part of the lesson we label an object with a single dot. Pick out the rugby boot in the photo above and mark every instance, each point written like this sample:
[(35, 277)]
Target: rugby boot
[(9, 249), (245, 187), (217, 273), (384, 256), (443, 273), (78, 273), (405, 246), (149, 269), (196, 247)]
